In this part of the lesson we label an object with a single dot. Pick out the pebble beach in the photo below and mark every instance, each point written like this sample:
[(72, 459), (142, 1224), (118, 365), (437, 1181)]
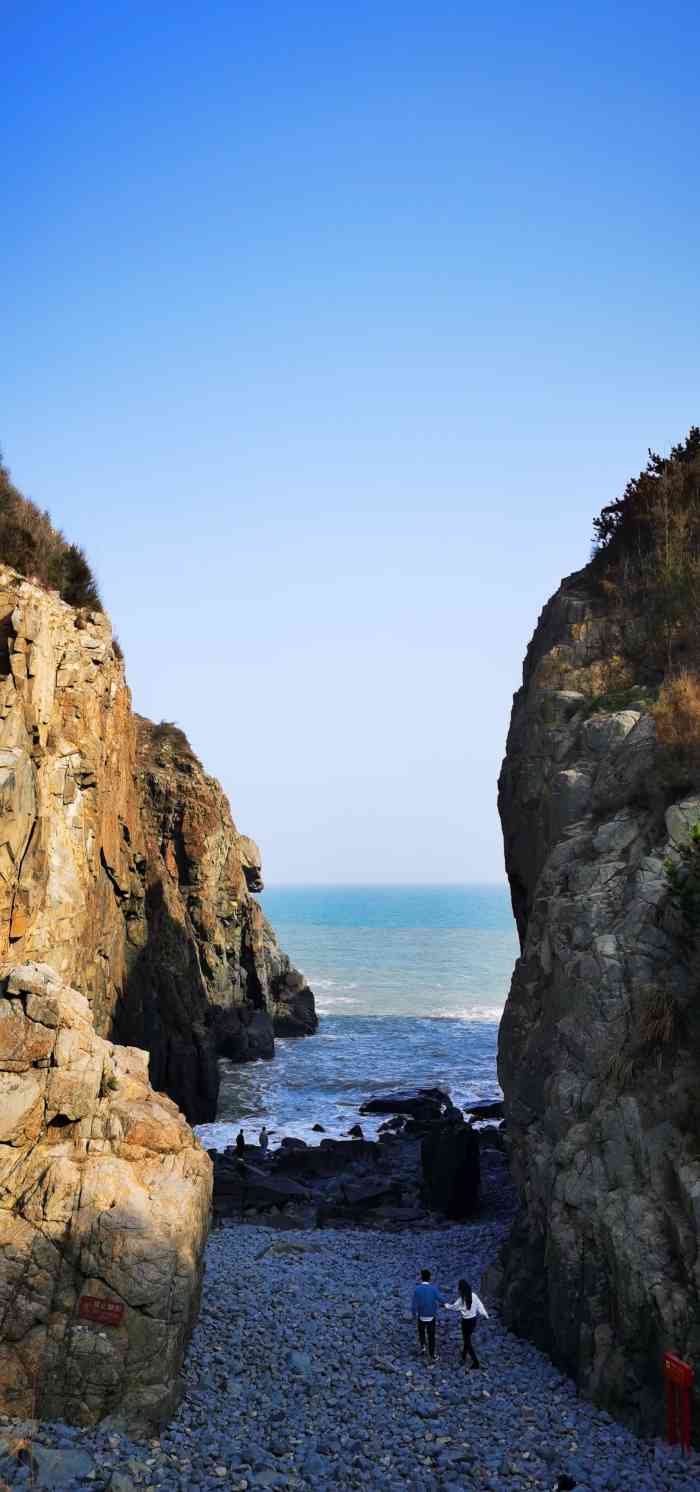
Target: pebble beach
[(304, 1373)]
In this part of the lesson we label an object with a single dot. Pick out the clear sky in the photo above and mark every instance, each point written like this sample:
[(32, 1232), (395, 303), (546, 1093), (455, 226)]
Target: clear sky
[(327, 329)]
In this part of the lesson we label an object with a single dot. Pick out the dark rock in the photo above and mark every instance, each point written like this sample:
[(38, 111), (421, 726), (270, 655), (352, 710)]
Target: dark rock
[(450, 1164), (239, 1187), (420, 1103), (319, 1129), (293, 1009), (486, 1110), (356, 1133), (328, 1159), (242, 1034), (290, 1142), (349, 1150), (394, 1124), (357, 1202)]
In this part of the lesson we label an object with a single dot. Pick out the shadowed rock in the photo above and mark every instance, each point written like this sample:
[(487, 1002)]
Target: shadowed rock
[(451, 1173)]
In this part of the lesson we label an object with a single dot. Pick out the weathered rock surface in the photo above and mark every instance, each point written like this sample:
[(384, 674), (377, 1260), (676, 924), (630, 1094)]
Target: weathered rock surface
[(120, 864), (599, 1044), (104, 1192)]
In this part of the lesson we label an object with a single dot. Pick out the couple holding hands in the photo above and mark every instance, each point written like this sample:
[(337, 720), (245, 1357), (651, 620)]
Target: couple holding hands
[(426, 1299)]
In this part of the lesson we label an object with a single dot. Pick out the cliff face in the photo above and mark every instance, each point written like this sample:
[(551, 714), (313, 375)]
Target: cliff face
[(120, 865), (211, 979), (599, 1049)]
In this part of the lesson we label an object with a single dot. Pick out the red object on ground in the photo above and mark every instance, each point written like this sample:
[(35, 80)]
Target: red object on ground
[(97, 1308), (679, 1380)]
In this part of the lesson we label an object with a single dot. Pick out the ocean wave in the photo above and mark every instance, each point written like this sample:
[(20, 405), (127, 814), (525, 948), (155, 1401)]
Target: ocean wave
[(469, 1013)]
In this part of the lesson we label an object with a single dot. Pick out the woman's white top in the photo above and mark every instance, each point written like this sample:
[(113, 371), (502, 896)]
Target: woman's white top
[(477, 1308)]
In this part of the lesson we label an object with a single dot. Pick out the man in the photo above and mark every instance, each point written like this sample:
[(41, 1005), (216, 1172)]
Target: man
[(426, 1299), (240, 1143), (264, 1141)]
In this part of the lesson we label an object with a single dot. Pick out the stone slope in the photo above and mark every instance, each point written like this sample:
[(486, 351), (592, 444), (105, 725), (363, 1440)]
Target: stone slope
[(599, 1049), (105, 1197), (120, 865)]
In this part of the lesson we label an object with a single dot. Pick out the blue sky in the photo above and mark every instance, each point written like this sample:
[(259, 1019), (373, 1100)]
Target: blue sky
[(327, 331)]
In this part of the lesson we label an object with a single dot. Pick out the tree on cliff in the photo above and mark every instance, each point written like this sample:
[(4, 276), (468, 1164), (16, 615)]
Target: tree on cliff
[(30, 543)]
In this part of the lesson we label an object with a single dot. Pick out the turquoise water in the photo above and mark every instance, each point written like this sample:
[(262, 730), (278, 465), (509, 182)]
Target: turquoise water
[(410, 982)]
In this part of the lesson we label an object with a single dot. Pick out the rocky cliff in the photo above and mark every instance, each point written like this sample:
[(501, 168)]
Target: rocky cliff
[(599, 1051), (104, 1208), (120, 864)]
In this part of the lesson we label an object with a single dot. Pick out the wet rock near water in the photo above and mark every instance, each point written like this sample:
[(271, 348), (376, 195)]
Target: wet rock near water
[(418, 1103), (416, 1168)]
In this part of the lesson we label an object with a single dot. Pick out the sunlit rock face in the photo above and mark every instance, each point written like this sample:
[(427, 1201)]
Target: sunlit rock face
[(105, 1196), (120, 864), (599, 1052)]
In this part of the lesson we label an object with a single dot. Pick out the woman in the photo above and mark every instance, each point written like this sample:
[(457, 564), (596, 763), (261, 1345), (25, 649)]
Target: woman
[(469, 1307)]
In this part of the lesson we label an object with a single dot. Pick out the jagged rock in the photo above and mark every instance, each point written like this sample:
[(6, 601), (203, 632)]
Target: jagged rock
[(120, 864), (599, 1040), (104, 1192), (451, 1173)]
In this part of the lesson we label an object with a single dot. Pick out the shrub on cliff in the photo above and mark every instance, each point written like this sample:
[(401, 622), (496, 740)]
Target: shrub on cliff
[(30, 543), (647, 554)]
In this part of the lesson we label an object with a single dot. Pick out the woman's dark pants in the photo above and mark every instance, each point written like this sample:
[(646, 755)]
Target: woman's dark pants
[(467, 1333)]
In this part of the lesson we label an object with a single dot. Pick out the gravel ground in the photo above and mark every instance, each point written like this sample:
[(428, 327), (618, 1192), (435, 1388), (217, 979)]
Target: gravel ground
[(304, 1372)]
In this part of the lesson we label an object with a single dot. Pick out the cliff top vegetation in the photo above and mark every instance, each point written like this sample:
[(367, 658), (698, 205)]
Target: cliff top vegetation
[(31, 544), (647, 557)]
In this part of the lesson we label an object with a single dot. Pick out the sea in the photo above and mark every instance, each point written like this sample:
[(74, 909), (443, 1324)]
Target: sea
[(410, 983)]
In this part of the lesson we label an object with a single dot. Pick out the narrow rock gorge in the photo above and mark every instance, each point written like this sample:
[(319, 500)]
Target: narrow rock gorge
[(599, 1051), (120, 864)]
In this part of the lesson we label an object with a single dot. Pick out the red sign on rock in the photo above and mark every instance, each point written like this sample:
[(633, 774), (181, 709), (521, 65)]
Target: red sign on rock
[(679, 1380), (97, 1308)]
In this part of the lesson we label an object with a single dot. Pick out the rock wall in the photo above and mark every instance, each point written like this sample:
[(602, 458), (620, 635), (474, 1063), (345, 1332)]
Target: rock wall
[(120, 865), (105, 1197), (599, 1050)]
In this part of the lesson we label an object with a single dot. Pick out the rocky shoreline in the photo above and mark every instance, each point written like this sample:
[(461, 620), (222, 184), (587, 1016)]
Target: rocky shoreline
[(426, 1161), (303, 1370)]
